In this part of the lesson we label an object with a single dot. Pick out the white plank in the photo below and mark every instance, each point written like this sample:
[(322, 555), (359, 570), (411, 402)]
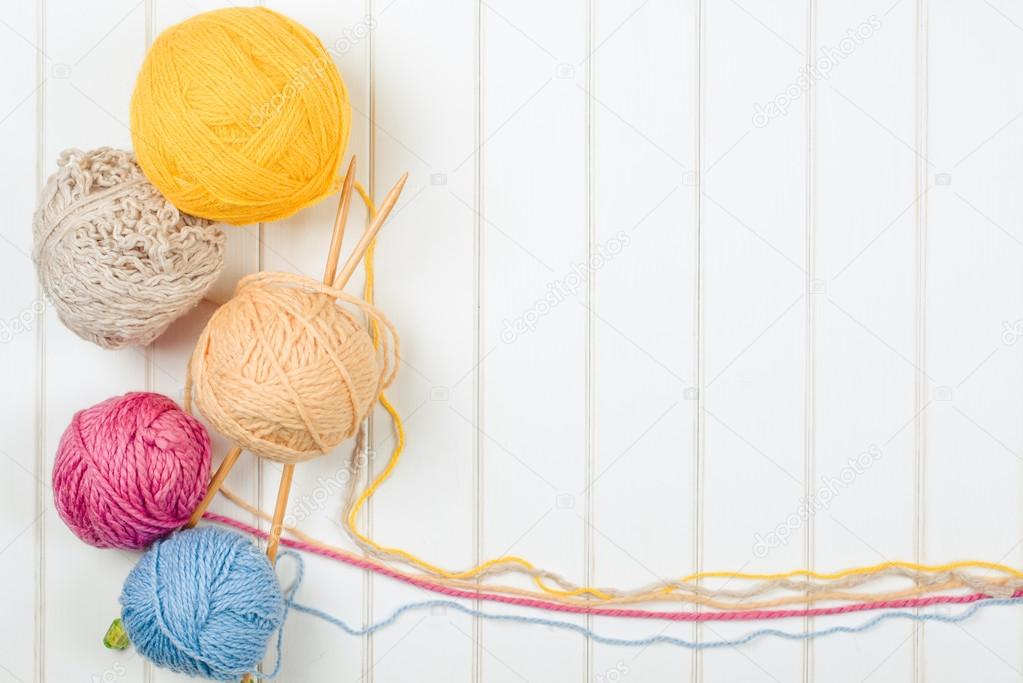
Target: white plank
[(644, 314), (241, 254), (754, 273), (974, 289), (426, 284), (535, 233), (94, 55), (865, 325), (299, 244), (21, 314), (504, 429), (168, 357)]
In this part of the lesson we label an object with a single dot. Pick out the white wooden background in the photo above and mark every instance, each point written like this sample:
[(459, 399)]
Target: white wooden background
[(789, 290)]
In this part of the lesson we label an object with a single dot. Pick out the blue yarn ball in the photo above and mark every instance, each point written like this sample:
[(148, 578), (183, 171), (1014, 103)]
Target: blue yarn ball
[(203, 602)]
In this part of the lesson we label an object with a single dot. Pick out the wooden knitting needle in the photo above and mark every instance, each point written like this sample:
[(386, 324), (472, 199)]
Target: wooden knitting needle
[(332, 258), (215, 483), (333, 255), (371, 232), (277, 525)]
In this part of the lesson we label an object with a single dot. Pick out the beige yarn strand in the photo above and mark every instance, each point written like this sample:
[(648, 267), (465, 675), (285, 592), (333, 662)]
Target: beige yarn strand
[(806, 592)]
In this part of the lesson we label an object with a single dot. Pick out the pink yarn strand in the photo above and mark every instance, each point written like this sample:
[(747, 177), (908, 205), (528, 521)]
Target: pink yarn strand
[(748, 615)]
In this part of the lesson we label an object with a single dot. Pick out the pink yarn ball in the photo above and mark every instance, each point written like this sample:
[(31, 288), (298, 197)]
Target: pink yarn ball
[(130, 470)]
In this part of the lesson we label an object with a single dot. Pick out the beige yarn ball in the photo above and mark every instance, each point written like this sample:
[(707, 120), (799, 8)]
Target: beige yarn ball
[(285, 371), (118, 262)]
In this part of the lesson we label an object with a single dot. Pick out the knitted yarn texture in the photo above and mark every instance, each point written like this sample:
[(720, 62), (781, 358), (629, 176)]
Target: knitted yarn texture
[(203, 602), (287, 372), (130, 470), (119, 262), (239, 115)]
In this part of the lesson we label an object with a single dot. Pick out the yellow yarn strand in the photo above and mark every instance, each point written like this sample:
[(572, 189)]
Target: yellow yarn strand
[(661, 593), (990, 586), (352, 519), (856, 571), (399, 446)]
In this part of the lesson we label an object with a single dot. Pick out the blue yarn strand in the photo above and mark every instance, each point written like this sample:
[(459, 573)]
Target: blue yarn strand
[(905, 615), (653, 640)]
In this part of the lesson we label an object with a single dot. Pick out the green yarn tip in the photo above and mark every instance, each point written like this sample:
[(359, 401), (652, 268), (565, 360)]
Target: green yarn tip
[(116, 637)]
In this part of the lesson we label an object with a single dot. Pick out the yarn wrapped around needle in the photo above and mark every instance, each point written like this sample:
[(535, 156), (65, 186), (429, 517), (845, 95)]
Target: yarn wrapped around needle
[(287, 342), (287, 370), (284, 370)]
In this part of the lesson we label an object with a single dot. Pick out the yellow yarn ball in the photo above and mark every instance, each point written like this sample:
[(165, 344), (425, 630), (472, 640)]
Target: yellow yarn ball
[(286, 372), (240, 116)]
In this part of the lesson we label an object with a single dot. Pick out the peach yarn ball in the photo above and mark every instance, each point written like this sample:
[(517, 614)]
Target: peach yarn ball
[(286, 372)]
